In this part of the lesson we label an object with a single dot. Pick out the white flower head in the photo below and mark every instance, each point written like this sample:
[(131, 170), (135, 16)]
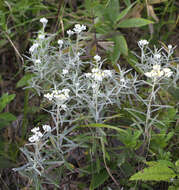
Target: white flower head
[(156, 67), (97, 74), (167, 72), (155, 73), (79, 28), (63, 106), (37, 61), (95, 70), (43, 21), (33, 138), (60, 42), (66, 91), (61, 95), (170, 47), (94, 85), (35, 130), (97, 58), (48, 96), (143, 43), (70, 32), (39, 134), (47, 128), (88, 75), (65, 71), (41, 36), (148, 74), (122, 80), (36, 136), (157, 56), (33, 47), (108, 73)]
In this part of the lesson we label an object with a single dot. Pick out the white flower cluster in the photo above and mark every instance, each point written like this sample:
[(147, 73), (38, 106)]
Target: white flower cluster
[(60, 43), (157, 72), (41, 36), (43, 21), (157, 56), (33, 47), (77, 29), (58, 95), (98, 74), (143, 43), (37, 134), (97, 58), (65, 71)]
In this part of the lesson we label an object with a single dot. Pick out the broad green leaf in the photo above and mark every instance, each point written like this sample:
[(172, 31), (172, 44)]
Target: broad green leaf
[(103, 126), (5, 99), (134, 22), (123, 45), (124, 12), (98, 179), (7, 116), (112, 10), (115, 55), (24, 80)]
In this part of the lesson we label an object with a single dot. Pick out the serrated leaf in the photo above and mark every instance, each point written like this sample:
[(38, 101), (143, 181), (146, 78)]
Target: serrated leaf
[(134, 22), (24, 80), (5, 99), (157, 172)]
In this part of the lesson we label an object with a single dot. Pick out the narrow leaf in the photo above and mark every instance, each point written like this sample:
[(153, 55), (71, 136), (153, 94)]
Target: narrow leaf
[(123, 45), (134, 22), (124, 12), (103, 126)]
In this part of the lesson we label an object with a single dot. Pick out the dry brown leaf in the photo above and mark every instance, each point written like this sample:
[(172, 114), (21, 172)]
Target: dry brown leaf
[(152, 13), (135, 12), (156, 1)]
